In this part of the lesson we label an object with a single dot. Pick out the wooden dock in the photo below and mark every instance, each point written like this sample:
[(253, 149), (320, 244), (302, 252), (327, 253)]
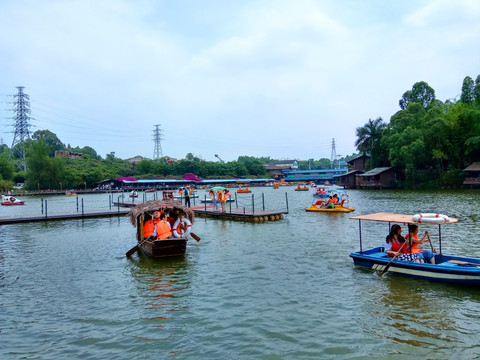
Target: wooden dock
[(63, 216), (242, 214)]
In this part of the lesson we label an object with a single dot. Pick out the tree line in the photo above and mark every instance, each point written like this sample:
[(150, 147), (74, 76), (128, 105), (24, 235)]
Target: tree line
[(428, 141), (45, 171)]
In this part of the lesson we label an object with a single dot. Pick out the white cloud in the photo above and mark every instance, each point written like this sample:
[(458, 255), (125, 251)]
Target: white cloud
[(260, 78)]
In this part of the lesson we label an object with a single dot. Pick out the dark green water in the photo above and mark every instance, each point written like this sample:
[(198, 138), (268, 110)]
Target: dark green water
[(280, 290)]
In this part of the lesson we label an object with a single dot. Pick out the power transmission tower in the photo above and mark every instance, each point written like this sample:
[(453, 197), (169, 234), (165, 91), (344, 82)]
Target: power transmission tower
[(21, 107), (157, 138), (333, 157)]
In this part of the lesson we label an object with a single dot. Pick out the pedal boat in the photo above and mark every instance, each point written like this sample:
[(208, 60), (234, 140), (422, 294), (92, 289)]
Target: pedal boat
[(337, 209), (447, 268)]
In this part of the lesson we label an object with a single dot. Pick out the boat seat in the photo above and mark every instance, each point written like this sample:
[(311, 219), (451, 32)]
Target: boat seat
[(391, 253)]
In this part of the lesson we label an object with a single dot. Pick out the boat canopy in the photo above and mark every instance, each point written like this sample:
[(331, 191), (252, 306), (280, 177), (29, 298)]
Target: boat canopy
[(397, 218)]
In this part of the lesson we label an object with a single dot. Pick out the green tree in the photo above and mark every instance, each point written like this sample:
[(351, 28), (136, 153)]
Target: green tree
[(43, 170), (368, 139), (50, 140), (6, 167), (467, 95), (476, 90), (421, 93)]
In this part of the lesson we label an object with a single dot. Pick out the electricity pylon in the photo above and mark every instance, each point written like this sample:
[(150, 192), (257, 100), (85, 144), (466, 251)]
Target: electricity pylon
[(157, 138), (21, 107)]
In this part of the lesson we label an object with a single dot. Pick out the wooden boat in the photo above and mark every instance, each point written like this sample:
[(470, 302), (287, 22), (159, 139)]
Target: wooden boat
[(172, 246), (336, 209), (8, 200), (447, 268)]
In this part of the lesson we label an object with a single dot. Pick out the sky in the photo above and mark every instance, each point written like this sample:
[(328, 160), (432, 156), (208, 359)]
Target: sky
[(265, 78)]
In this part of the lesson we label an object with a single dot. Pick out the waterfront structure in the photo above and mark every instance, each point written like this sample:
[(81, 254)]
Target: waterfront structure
[(318, 176), (473, 175), (378, 178)]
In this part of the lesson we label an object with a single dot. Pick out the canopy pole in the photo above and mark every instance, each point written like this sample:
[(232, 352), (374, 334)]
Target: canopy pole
[(360, 231)]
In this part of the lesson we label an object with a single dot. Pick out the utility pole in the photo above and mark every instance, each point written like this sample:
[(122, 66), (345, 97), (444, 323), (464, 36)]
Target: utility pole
[(333, 157), (157, 138), (21, 108)]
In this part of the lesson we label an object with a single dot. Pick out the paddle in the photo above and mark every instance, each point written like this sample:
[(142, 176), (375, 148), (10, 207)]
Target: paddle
[(390, 263), (430, 241), (134, 249), (465, 263), (196, 237)]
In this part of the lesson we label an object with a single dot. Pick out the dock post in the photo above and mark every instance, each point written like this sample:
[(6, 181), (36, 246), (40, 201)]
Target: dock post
[(82, 206), (110, 200), (46, 210), (236, 201), (77, 203), (206, 203), (118, 204), (253, 205), (286, 199), (263, 201), (42, 205)]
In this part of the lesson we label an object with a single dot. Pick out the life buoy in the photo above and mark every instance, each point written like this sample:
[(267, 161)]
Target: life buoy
[(431, 218), (177, 229)]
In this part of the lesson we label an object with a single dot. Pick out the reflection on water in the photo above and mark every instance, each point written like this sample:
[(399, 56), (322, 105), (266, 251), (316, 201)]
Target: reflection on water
[(284, 289)]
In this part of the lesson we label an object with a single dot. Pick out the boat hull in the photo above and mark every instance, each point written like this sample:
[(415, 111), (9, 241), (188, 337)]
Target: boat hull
[(165, 248), (337, 209), (13, 204), (443, 271)]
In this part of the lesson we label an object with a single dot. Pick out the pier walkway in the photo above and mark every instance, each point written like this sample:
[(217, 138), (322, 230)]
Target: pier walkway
[(4, 220)]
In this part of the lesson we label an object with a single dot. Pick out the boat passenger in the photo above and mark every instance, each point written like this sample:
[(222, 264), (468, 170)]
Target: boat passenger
[(395, 243), (214, 198), (423, 255), (330, 203), (394, 240), (163, 228)]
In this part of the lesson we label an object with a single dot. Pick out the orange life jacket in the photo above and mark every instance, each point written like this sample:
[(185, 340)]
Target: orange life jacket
[(163, 230), (414, 248), (148, 228)]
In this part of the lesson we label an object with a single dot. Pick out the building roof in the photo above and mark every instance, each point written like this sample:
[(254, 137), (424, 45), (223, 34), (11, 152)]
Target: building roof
[(358, 157), (375, 171), (473, 167), (281, 162), (348, 173)]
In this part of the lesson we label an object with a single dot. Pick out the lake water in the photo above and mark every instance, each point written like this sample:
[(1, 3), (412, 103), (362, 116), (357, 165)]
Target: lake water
[(278, 290)]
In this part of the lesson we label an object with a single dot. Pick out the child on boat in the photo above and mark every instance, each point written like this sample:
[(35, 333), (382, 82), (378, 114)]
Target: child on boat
[(423, 255)]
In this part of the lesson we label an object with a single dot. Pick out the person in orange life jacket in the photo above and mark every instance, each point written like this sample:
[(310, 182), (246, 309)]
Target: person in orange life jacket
[(163, 228), (394, 240), (221, 197), (149, 227), (412, 237), (330, 203)]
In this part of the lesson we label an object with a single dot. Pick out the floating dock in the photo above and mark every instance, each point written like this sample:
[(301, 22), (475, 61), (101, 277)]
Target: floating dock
[(63, 216), (242, 214)]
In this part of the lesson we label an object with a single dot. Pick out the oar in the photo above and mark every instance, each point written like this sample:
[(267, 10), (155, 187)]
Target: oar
[(196, 237), (390, 263), (430, 241), (134, 249), (465, 263)]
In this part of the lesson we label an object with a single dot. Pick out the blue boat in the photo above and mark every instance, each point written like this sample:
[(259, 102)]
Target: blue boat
[(447, 268)]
